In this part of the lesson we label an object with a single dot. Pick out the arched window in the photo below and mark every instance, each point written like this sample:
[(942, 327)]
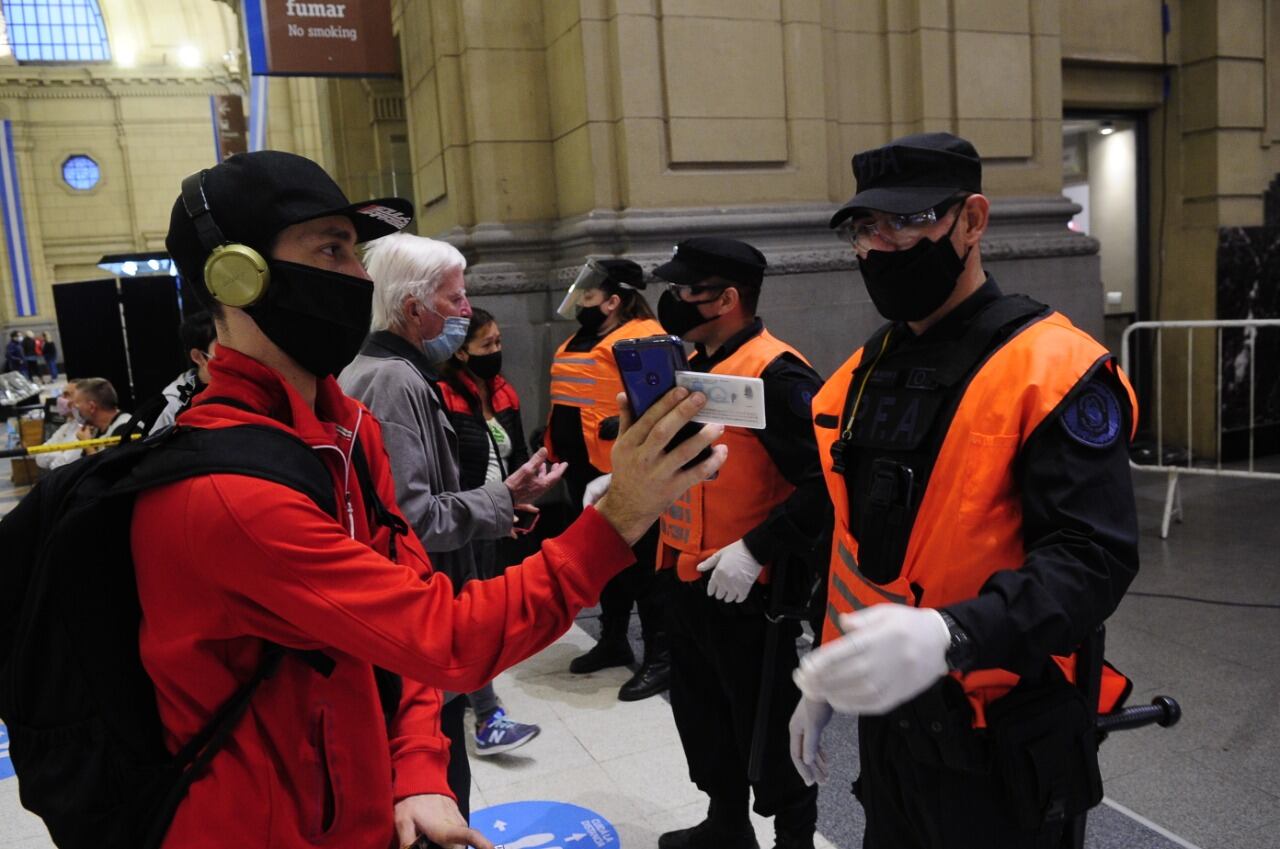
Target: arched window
[(56, 31), (81, 172)]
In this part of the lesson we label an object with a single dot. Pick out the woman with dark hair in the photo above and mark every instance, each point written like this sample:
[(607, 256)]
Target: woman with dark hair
[(607, 302), (484, 407), (485, 413)]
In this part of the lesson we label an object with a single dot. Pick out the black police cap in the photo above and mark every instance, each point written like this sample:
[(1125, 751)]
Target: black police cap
[(912, 174), (254, 196), (702, 257), (623, 271)]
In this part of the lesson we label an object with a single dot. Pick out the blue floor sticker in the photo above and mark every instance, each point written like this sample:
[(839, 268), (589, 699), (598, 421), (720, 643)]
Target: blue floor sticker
[(544, 825), (6, 765)]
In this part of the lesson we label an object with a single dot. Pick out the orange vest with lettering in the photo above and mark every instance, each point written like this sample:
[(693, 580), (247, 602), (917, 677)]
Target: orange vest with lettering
[(717, 512), (589, 380), (969, 523)]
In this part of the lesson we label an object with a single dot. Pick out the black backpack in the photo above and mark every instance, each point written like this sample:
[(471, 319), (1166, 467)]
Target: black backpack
[(84, 733)]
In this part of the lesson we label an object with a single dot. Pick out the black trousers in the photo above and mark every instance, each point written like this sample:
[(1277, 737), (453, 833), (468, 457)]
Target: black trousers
[(459, 774), (717, 654), (930, 781), (638, 585)]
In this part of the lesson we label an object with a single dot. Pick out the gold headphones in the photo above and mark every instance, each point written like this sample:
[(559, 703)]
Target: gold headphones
[(234, 274)]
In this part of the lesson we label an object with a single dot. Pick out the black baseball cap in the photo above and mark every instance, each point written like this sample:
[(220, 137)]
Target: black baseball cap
[(254, 196), (912, 174), (701, 257)]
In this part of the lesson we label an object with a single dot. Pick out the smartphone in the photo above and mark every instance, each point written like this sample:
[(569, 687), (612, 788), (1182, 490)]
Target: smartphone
[(648, 366)]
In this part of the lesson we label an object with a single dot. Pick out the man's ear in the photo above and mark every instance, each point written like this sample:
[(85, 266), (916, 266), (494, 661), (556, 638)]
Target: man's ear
[(729, 300), (977, 215)]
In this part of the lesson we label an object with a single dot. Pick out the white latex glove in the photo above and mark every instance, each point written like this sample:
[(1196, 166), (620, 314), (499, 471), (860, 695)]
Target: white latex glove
[(596, 490), (888, 654), (735, 572), (807, 724)]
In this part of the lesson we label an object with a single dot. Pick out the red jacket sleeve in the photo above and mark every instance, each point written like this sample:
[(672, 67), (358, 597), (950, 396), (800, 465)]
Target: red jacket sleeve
[(419, 749), (292, 576)]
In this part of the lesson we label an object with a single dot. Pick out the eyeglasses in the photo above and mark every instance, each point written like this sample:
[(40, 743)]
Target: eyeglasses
[(901, 231), (682, 291)]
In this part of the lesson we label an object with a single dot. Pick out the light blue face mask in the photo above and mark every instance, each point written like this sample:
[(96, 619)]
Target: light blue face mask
[(440, 348)]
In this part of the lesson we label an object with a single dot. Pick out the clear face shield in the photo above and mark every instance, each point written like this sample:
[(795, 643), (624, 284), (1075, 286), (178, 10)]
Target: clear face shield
[(590, 278)]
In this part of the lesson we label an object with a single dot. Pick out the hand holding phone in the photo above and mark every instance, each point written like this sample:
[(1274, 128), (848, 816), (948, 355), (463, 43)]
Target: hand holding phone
[(648, 366)]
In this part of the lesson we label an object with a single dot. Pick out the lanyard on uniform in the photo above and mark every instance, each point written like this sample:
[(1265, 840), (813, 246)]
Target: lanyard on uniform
[(847, 432), (838, 448)]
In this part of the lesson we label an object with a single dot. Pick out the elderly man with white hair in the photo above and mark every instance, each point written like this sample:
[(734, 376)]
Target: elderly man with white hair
[(420, 318)]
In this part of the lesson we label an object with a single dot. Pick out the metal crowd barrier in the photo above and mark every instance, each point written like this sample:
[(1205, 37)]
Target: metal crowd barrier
[(1155, 407)]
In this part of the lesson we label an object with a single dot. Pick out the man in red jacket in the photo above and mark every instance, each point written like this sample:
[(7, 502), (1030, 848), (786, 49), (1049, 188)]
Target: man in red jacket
[(226, 563)]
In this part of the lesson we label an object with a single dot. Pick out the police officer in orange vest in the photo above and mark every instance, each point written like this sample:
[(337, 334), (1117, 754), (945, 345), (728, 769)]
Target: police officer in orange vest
[(976, 454), (768, 502), (606, 300)]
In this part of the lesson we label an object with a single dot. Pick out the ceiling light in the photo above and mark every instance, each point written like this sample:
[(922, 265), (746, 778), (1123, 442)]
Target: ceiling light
[(138, 264), (189, 56), (126, 55), (1107, 128)]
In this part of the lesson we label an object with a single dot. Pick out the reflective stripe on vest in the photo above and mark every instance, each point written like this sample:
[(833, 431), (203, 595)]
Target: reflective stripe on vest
[(969, 523), (589, 380), (717, 512)]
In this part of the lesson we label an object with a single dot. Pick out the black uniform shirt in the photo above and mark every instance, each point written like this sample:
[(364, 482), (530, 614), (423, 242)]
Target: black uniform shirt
[(796, 525), (1079, 521)]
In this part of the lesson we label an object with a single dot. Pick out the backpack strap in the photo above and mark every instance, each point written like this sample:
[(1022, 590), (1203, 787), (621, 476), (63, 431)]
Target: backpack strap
[(389, 684), (194, 757), (253, 450)]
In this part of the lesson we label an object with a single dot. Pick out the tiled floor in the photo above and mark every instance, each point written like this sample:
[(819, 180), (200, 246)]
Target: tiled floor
[(620, 759), (1211, 782)]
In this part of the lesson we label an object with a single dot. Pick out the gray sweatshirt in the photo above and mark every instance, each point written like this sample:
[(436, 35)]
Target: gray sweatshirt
[(394, 379)]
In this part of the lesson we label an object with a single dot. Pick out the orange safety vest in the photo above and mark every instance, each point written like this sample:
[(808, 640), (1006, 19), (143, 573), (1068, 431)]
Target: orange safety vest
[(718, 512), (589, 380), (969, 523)]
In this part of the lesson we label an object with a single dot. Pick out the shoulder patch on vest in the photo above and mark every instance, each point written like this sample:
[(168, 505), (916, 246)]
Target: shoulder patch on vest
[(802, 399), (1093, 416)]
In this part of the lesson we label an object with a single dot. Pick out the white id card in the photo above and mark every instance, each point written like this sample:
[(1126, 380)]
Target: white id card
[(731, 400)]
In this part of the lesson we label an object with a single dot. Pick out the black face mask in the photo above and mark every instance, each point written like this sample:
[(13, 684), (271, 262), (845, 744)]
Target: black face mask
[(678, 317), (485, 366), (591, 318), (910, 285), (317, 317)]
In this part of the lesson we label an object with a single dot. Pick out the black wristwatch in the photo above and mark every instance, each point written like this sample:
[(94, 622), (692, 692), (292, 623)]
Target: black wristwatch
[(960, 652)]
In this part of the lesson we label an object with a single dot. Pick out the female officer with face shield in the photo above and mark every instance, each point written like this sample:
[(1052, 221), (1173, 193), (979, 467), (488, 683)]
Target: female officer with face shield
[(607, 302)]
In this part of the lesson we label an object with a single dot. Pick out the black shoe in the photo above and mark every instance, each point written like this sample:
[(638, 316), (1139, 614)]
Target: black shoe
[(601, 656), (707, 835), (650, 680)]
